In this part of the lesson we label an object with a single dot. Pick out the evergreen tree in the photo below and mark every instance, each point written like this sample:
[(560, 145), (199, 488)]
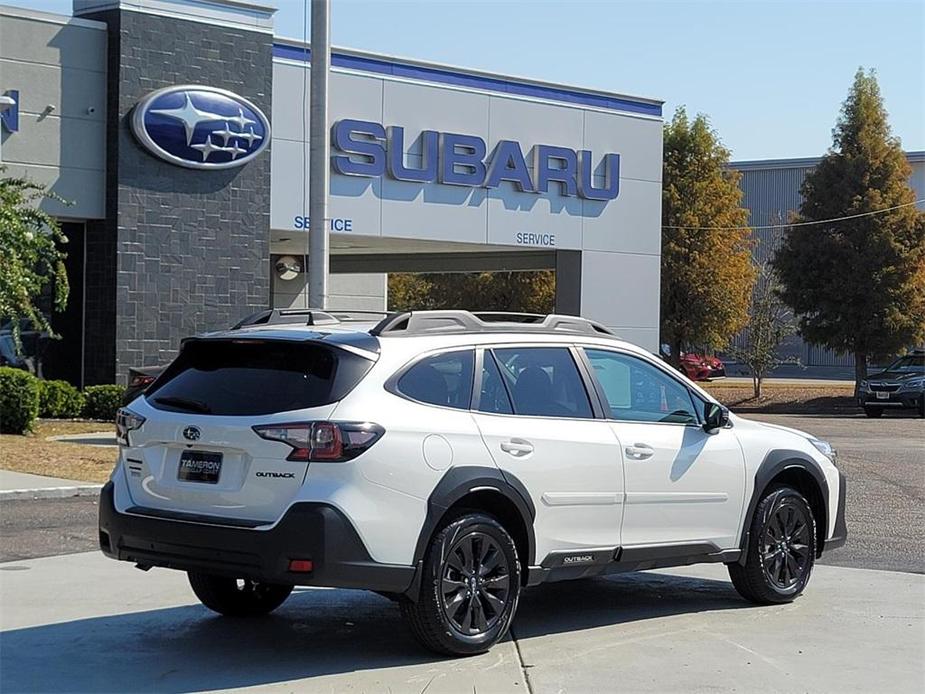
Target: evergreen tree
[(858, 285), (707, 273)]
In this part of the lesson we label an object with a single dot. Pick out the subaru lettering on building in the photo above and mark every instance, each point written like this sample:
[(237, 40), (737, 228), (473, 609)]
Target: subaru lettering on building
[(369, 149), (200, 127)]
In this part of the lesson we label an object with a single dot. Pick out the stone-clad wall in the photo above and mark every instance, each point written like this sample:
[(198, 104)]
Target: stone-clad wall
[(187, 250)]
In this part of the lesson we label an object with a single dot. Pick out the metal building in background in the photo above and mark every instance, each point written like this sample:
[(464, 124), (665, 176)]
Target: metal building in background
[(772, 194)]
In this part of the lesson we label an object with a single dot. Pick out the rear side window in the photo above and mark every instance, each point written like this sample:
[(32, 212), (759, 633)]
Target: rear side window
[(442, 379), (544, 382), (252, 377)]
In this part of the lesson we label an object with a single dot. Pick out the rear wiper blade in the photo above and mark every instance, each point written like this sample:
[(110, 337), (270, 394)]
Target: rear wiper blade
[(185, 403)]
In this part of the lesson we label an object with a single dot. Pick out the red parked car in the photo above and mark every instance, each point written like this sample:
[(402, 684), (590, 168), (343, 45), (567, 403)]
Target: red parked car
[(697, 367)]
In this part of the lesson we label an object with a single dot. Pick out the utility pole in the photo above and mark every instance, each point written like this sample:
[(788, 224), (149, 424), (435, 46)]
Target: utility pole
[(318, 153)]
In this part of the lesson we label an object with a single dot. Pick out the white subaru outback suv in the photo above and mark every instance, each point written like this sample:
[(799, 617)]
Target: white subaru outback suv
[(447, 460)]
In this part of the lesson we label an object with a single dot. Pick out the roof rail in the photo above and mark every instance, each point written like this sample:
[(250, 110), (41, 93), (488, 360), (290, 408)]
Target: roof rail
[(412, 323), (358, 315), (508, 317), (282, 316)]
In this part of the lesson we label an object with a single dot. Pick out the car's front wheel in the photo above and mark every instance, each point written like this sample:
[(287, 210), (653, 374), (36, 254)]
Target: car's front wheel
[(781, 549), (236, 597), (469, 588)]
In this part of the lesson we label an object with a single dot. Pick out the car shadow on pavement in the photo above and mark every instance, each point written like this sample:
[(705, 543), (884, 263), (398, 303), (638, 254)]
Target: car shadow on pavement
[(317, 632)]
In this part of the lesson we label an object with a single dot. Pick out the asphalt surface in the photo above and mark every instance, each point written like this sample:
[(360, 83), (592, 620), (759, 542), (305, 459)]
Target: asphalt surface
[(884, 460), (32, 528)]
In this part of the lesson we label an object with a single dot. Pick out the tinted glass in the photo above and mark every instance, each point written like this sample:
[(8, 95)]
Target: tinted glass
[(911, 363), (443, 379), (494, 397), (255, 377), (637, 391), (543, 381)]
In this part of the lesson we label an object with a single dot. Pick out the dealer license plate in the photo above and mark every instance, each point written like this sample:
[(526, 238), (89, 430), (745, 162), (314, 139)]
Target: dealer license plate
[(883, 396), (200, 466)]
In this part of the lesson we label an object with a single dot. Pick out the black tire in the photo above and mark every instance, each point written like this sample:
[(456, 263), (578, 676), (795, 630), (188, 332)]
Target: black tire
[(237, 597), (781, 549), (469, 587), (873, 412)]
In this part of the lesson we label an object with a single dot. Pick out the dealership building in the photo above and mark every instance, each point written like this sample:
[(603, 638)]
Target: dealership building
[(178, 132)]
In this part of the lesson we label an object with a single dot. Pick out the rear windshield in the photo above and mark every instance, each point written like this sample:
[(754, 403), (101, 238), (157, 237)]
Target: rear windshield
[(248, 377)]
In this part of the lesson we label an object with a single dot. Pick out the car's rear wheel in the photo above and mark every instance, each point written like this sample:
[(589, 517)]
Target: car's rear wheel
[(873, 411), (237, 597), (781, 549), (469, 588)]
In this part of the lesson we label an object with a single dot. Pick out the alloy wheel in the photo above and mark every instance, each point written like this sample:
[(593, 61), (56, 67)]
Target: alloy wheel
[(785, 546), (476, 584)]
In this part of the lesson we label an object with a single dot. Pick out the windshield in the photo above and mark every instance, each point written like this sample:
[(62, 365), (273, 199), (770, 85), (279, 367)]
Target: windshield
[(255, 377), (911, 363)]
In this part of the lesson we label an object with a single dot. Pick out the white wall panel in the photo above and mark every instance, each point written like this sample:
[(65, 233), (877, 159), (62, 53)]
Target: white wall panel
[(290, 120), (638, 141), (621, 290), (632, 227)]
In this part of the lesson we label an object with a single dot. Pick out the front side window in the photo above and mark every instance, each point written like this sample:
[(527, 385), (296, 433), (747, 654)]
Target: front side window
[(442, 379), (639, 392), (543, 382)]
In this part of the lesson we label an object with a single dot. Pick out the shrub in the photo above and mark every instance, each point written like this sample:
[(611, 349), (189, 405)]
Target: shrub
[(19, 400), (59, 399), (101, 402)]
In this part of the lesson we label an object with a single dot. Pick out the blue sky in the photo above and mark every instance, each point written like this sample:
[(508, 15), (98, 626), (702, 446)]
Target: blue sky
[(770, 75)]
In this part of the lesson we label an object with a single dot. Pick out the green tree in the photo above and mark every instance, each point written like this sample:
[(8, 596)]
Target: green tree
[(858, 285), (30, 254), (528, 291), (707, 273), (769, 324)]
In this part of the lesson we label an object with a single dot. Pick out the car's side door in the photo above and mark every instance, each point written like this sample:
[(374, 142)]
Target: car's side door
[(684, 485), (538, 422)]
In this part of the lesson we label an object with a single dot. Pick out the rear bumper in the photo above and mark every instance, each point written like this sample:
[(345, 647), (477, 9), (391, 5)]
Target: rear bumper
[(840, 534), (314, 531)]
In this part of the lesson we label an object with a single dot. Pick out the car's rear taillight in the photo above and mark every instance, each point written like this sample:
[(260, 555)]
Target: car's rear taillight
[(127, 421), (141, 381), (330, 442)]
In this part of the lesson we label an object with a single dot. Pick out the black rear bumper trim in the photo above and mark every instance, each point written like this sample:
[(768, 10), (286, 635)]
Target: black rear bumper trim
[(314, 531)]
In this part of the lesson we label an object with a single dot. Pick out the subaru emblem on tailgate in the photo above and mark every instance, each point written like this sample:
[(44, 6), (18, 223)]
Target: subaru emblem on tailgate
[(192, 433)]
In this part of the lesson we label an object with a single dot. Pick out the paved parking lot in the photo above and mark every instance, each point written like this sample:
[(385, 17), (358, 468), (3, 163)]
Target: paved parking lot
[(80, 622), (84, 623)]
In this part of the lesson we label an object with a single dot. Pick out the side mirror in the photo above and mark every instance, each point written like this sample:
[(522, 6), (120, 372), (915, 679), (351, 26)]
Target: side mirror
[(714, 417)]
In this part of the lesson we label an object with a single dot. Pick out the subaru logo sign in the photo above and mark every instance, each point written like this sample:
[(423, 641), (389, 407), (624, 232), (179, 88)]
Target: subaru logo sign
[(200, 127), (192, 433)]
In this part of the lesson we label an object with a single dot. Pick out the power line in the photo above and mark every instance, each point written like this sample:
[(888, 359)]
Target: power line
[(798, 224)]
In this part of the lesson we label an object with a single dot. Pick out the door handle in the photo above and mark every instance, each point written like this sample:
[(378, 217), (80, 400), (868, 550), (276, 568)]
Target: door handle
[(639, 451), (517, 447)]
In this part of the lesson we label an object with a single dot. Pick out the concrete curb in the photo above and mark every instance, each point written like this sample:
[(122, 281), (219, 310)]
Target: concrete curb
[(50, 492)]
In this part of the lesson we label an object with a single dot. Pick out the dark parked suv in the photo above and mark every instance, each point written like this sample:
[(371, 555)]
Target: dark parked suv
[(900, 386)]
